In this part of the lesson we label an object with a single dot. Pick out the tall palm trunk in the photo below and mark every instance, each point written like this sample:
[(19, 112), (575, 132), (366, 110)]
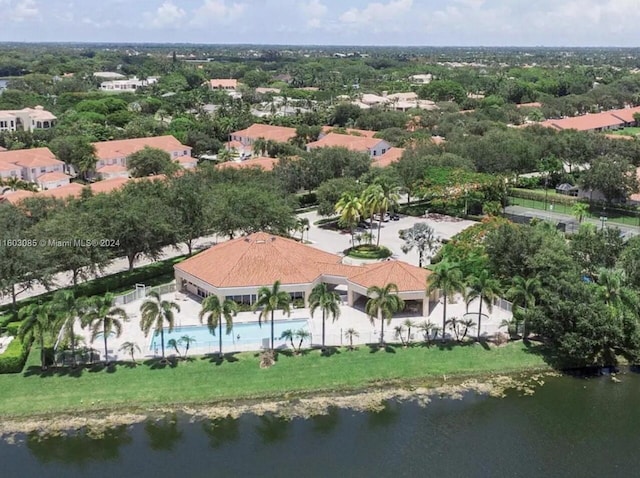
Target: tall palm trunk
[(272, 332), (73, 346), (379, 229), (162, 340), (104, 336), (381, 328), (220, 336), (43, 358), (444, 319), (480, 315), (323, 316)]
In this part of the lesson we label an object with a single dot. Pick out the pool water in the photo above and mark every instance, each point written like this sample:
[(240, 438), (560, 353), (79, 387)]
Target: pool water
[(242, 334)]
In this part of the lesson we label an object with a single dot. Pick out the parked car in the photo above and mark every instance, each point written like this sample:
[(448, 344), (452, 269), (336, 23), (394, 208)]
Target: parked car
[(394, 216), (364, 225), (376, 217)]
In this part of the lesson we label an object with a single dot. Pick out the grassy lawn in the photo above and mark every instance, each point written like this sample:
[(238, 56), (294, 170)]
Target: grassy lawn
[(205, 380), (631, 131)]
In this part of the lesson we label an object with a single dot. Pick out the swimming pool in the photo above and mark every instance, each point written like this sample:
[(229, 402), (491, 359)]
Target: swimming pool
[(242, 334)]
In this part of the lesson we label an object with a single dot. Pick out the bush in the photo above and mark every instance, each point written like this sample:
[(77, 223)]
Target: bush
[(368, 251), (307, 200), (13, 359), (540, 195), (13, 327)]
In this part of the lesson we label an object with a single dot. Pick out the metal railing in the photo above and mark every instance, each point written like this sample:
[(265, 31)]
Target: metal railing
[(142, 291)]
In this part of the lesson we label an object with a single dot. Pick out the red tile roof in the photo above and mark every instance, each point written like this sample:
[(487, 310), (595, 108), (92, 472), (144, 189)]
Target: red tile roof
[(354, 143), (126, 147), (223, 83), (408, 278), (264, 163), (50, 177), (352, 131), (257, 260), (30, 158), (280, 134), (391, 156)]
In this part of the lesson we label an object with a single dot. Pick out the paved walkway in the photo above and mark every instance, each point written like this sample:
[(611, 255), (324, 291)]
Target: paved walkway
[(350, 317)]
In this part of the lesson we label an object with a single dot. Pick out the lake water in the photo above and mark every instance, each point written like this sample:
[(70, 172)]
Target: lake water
[(569, 428)]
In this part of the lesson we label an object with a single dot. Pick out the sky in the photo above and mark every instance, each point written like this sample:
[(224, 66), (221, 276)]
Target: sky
[(326, 22)]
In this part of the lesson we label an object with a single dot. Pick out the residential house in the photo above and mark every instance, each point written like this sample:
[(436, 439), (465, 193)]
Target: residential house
[(392, 155), (112, 156), (604, 121), (133, 84), (243, 140), (421, 79), (374, 147), (34, 163), (266, 164), (26, 119), (222, 84)]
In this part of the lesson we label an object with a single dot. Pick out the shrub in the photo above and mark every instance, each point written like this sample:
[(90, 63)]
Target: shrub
[(368, 251), (13, 359), (13, 327)]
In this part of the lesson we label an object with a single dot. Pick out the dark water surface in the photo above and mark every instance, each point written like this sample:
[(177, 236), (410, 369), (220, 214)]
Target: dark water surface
[(569, 428)]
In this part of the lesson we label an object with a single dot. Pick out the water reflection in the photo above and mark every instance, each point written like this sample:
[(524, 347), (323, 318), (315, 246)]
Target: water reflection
[(221, 431), (272, 429), (325, 424), (84, 446), (164, 433), (386, 416)]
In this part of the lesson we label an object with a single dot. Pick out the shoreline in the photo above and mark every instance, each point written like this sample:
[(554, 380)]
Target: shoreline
[(301, 404)]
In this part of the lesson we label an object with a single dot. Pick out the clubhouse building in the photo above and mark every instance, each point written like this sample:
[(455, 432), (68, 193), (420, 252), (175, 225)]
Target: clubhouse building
[(237, 269)]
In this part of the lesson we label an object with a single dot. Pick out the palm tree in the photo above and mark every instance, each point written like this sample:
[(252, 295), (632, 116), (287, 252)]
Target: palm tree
[(68, 309), (154, 313), (215, 311), (105, 318), (409, 324), (420, 237), (483, 287), (580, 210), (387, 201), (614, 291), (350, 334), (371, 198), (349, 206), (427, 328), (270, 300), (302, 334), (446, 277), (288, 335), (187, 341), (384, 302), (173, 343), (523, 293), (328, 301), (38, 322), (130, 348)]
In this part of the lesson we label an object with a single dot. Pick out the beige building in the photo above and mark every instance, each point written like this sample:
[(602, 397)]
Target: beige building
[(26, 119), (237, 269)]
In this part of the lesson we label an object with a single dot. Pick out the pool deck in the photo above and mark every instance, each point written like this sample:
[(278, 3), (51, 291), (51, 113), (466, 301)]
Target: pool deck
[(350, 317)]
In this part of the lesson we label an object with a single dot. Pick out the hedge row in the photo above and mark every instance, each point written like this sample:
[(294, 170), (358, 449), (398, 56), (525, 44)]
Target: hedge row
[(116, 283), (368, 252), (13, 359), (540, 195)]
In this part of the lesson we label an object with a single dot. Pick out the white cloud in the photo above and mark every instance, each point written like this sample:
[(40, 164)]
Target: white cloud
[(377, 14), (21, 10), (217, 11), (168, 14), (314, 11)]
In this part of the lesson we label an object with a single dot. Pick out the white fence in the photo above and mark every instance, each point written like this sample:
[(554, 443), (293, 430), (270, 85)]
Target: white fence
[(142, 291)]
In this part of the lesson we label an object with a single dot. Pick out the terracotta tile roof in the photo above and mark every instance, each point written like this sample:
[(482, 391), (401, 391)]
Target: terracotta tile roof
[(2, 149), (257, 260), (264, 163), (126, 147), (223, 83), (438, 140), (352, 131), (63, 192), (408, 278), (353, 143), (9, 167), (234, 145), (626, 114), (30, 158), (108, 185), (280, 134), (391, 156), (50, 177), (584, 123), (15, 197)]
